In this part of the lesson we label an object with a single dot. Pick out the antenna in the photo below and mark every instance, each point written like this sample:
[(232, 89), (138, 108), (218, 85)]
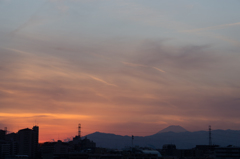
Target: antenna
[(132, 140), (210, 135), (5, 129), (79, 130)]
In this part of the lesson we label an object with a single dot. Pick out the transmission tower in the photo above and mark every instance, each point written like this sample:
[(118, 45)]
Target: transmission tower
[(79, 130), (210, 135)]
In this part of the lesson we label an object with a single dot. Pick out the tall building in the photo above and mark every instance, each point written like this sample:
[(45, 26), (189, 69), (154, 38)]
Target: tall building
[(13, 140), (35, 139), (28, 142), (2, 134)]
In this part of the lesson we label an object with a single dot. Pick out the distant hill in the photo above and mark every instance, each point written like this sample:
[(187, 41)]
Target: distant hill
[(182, 140), (173, 128)]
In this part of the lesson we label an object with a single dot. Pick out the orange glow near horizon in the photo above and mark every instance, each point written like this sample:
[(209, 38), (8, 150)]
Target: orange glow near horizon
[(62, 116), (53, 127)]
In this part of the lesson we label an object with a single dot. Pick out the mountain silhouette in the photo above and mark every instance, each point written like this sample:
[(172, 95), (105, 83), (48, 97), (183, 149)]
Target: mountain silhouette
[(182, 140), (173, 128)]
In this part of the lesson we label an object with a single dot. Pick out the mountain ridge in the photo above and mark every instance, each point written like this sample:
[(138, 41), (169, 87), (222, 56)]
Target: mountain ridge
[(182, 140), (173, 128)]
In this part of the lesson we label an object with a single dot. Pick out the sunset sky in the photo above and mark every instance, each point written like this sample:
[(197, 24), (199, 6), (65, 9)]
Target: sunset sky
[(129, 67)]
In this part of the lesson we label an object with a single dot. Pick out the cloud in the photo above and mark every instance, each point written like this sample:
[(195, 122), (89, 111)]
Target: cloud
[(43, 115), (64, 82), (187, 58), (213, 27), (100, 80), (158, 69), (34, 19), (134, 65), (30, 78), (67, 139), (200, 32), (139, 65), (60, 5), (105, 82), (229, 40)]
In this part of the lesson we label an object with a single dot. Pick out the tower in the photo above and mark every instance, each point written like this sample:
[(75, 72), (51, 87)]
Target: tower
[(77, 138), (210, 135), (79, 130), (5, 129)]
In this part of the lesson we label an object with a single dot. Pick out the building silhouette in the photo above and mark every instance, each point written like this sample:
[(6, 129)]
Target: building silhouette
[(2, 134), (24, 143), (28, 142)]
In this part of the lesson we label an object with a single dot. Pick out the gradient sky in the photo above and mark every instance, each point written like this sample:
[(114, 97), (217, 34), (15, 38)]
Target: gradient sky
[(119, 66)]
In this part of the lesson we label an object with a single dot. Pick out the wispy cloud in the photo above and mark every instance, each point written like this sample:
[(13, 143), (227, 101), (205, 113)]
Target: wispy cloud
[(32, 20), (133, 64), (139, 65), (213, 27), (19, 51), (229, 40), (102, 81), (158, 69)]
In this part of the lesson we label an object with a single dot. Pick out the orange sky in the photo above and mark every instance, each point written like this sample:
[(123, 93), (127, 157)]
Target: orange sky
[(123, 67)]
